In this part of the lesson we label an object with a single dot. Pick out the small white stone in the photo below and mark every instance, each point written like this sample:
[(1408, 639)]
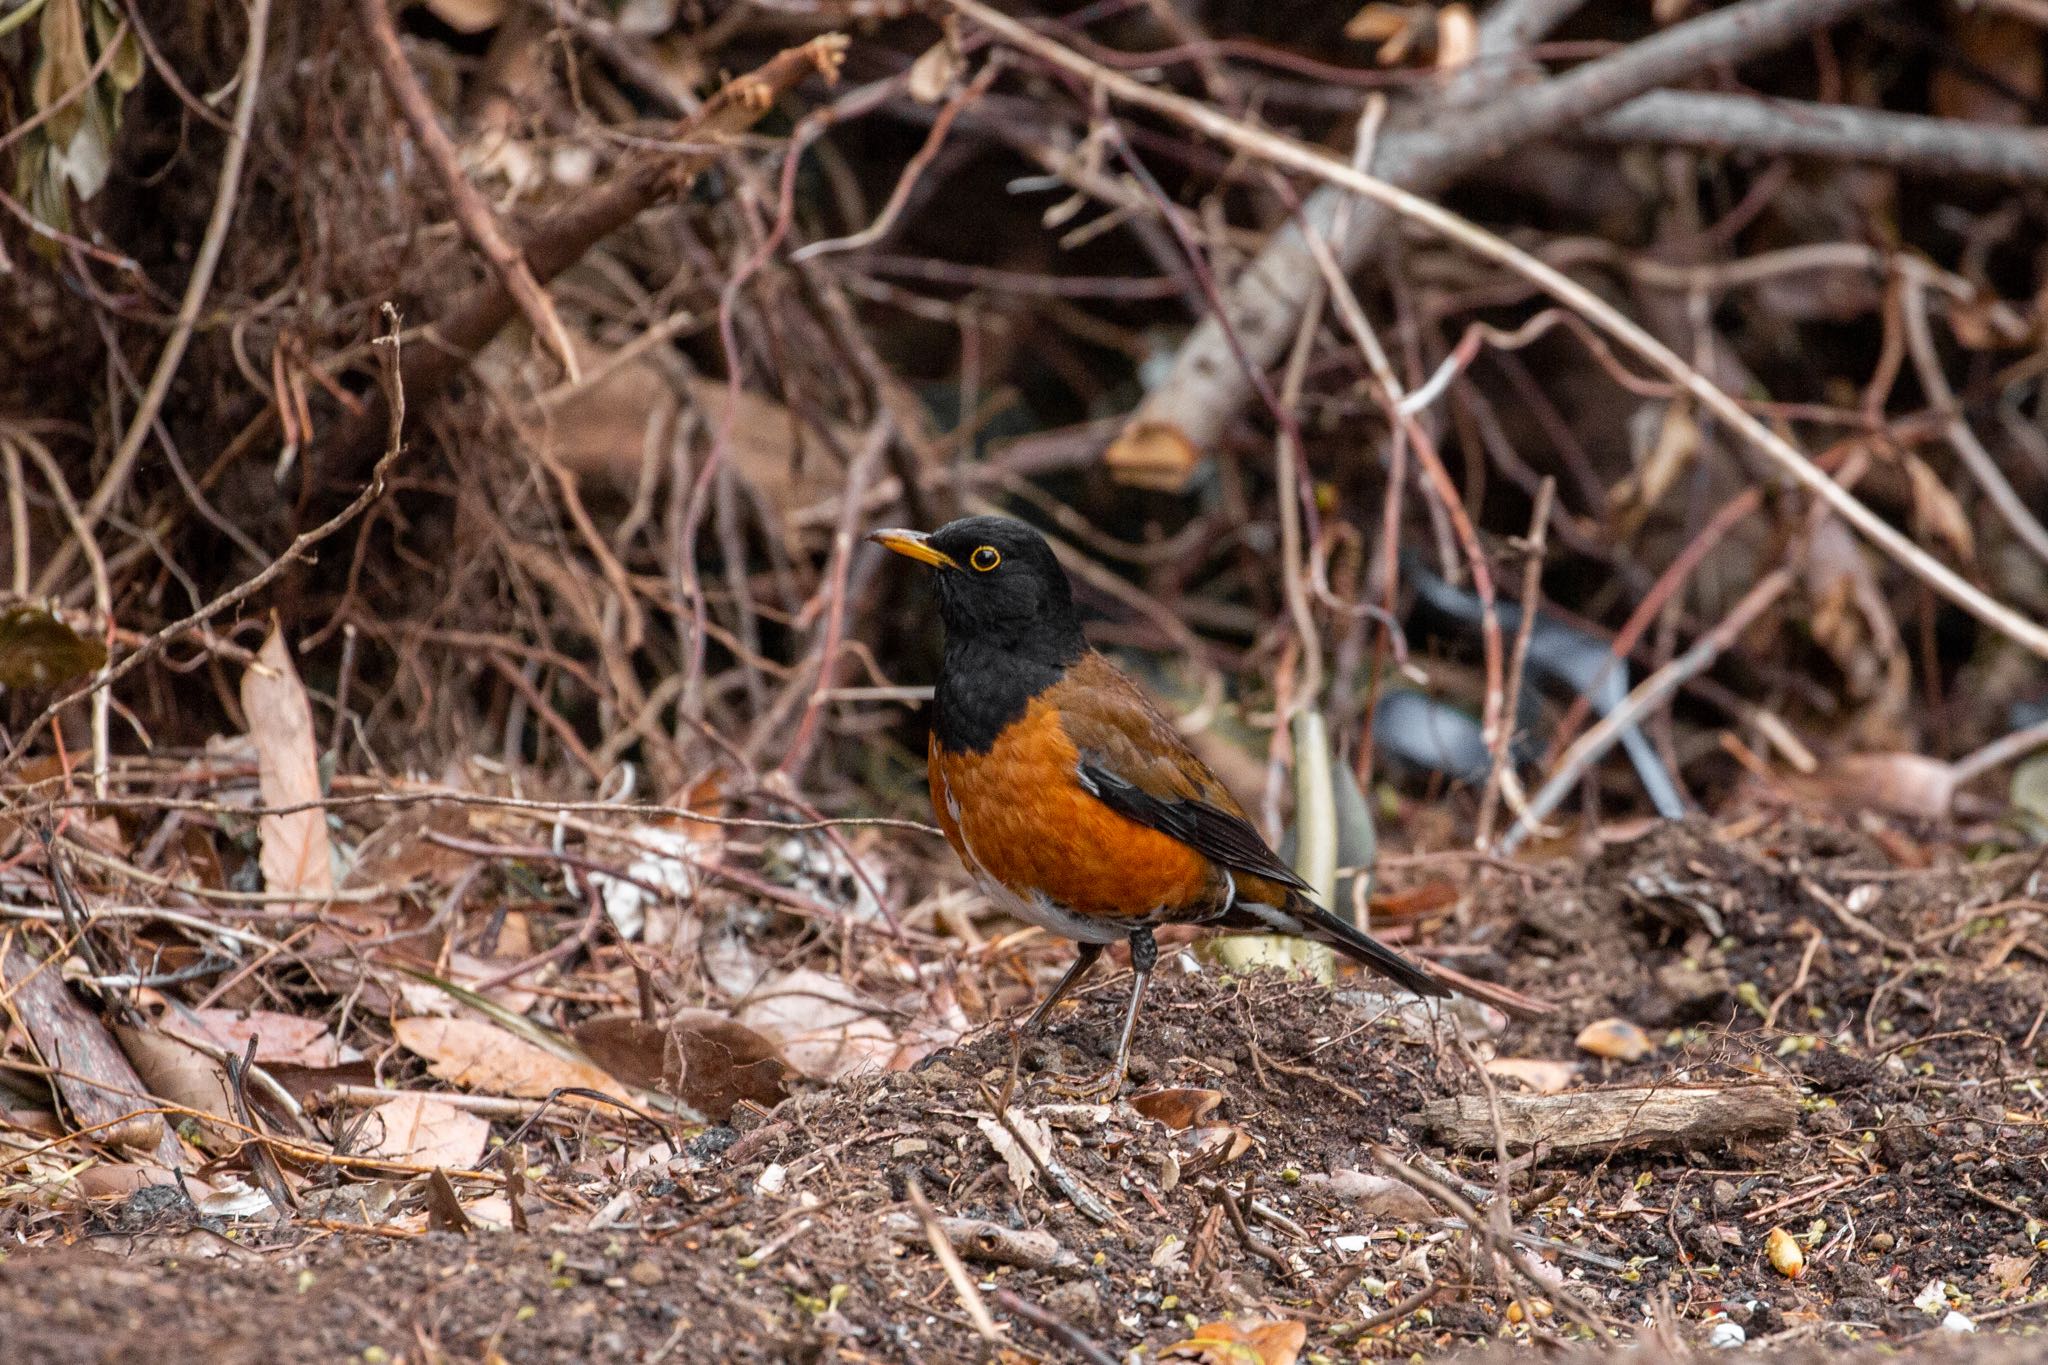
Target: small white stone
[(1957, 1322), (1350, 1243), (1726, 1336)]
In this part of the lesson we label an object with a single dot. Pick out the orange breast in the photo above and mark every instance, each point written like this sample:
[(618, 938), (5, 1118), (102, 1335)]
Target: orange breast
[(1019, 815)]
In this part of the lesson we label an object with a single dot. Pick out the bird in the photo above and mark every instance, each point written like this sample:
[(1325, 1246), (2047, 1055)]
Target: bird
[(1075, 804)]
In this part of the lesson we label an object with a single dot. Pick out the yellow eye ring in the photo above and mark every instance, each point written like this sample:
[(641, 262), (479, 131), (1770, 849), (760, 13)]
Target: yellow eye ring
[(985, 558)]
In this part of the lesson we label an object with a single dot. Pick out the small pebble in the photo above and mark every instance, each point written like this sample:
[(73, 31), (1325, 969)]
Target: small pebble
[(645, 1273), (1957, 1322), (1726, 1336), (909, 1146)]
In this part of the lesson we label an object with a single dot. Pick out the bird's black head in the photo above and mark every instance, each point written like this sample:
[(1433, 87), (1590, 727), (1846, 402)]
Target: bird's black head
[(999, 587)]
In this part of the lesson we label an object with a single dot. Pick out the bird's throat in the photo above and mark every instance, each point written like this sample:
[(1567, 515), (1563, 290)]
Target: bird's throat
[(984, 687)]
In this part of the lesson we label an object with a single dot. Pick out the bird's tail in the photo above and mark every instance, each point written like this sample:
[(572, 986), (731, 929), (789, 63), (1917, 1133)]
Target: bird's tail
[(1324, 927)]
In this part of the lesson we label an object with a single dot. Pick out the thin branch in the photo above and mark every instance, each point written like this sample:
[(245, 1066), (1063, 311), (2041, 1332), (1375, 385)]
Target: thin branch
[(196, 287), (559, 240), (1206, 389), (479, 223), (1648, 695), (1589, 305)]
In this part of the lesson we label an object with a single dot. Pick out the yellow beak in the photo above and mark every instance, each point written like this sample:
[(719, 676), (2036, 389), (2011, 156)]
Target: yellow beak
[(915, 545)]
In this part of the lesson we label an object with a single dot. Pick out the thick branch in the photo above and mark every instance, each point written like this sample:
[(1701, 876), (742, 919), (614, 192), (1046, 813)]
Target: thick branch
[(1207, 387), (1907, 142)]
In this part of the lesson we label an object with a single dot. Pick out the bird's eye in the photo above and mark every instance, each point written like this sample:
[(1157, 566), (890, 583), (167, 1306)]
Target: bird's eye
[(985, 558)]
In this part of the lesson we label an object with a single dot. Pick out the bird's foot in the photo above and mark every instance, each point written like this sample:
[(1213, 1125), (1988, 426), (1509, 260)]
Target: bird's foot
[(1101, 1088)]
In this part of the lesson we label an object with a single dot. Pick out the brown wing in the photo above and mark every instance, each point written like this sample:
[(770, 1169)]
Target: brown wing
[(1133, 761)]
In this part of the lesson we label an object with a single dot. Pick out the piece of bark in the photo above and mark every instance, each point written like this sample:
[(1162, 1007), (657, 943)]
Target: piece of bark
[(1607, 1120), (91, 1073), (991, 1243)]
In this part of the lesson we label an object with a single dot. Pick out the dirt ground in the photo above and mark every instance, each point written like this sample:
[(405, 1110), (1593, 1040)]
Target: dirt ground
[(1903, 1003)]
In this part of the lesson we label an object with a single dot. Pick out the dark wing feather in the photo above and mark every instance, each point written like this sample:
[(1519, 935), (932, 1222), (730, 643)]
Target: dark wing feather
[(1136, 763), (1209, 830)]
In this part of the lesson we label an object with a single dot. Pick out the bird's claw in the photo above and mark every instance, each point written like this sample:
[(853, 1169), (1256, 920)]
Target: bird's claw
[(1100, 1088)]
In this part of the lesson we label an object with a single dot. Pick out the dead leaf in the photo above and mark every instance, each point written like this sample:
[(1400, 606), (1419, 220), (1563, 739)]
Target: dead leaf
[(1457, 37), (1617, 1039), (175, 1071), (700, 1057), (1539, 1074), (1381, 1197), (1207, 1149), (1242, 1343), (2010, 1272), (480, 1056), (824, 1027), (423, 1131), (1415, 901), (1017, 1154), (939, 66), (1151, 454), (39, 651), (444, 1206), (279, 1037), (1938, 512), (1396, 28), (1178, 1108), (296, 855)]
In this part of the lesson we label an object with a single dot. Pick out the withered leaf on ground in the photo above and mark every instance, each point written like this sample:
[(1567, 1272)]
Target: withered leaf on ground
[(1182, 1107), (296, 854), (823, 1026), (480, 1056), (699, 1057), (1242, 1343), (279, 1037), (423, 1131)]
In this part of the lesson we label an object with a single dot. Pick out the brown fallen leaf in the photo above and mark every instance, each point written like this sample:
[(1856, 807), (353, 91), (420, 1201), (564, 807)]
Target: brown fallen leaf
[(1210, 1148), (444, 1206), (423, 1131), (296, 854), (279, 1037), (2010, 1272), (700, 1057), (824, 1028), (1242, 1343), (480, 1056), (175, 1071), (1179, 1108)]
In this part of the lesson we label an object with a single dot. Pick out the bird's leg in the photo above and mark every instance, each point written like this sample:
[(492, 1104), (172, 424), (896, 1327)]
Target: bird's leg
[(1082, 962), (1144, 956)]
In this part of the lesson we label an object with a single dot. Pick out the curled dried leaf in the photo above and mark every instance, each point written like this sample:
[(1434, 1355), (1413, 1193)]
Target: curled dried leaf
[(1182, 1107)]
